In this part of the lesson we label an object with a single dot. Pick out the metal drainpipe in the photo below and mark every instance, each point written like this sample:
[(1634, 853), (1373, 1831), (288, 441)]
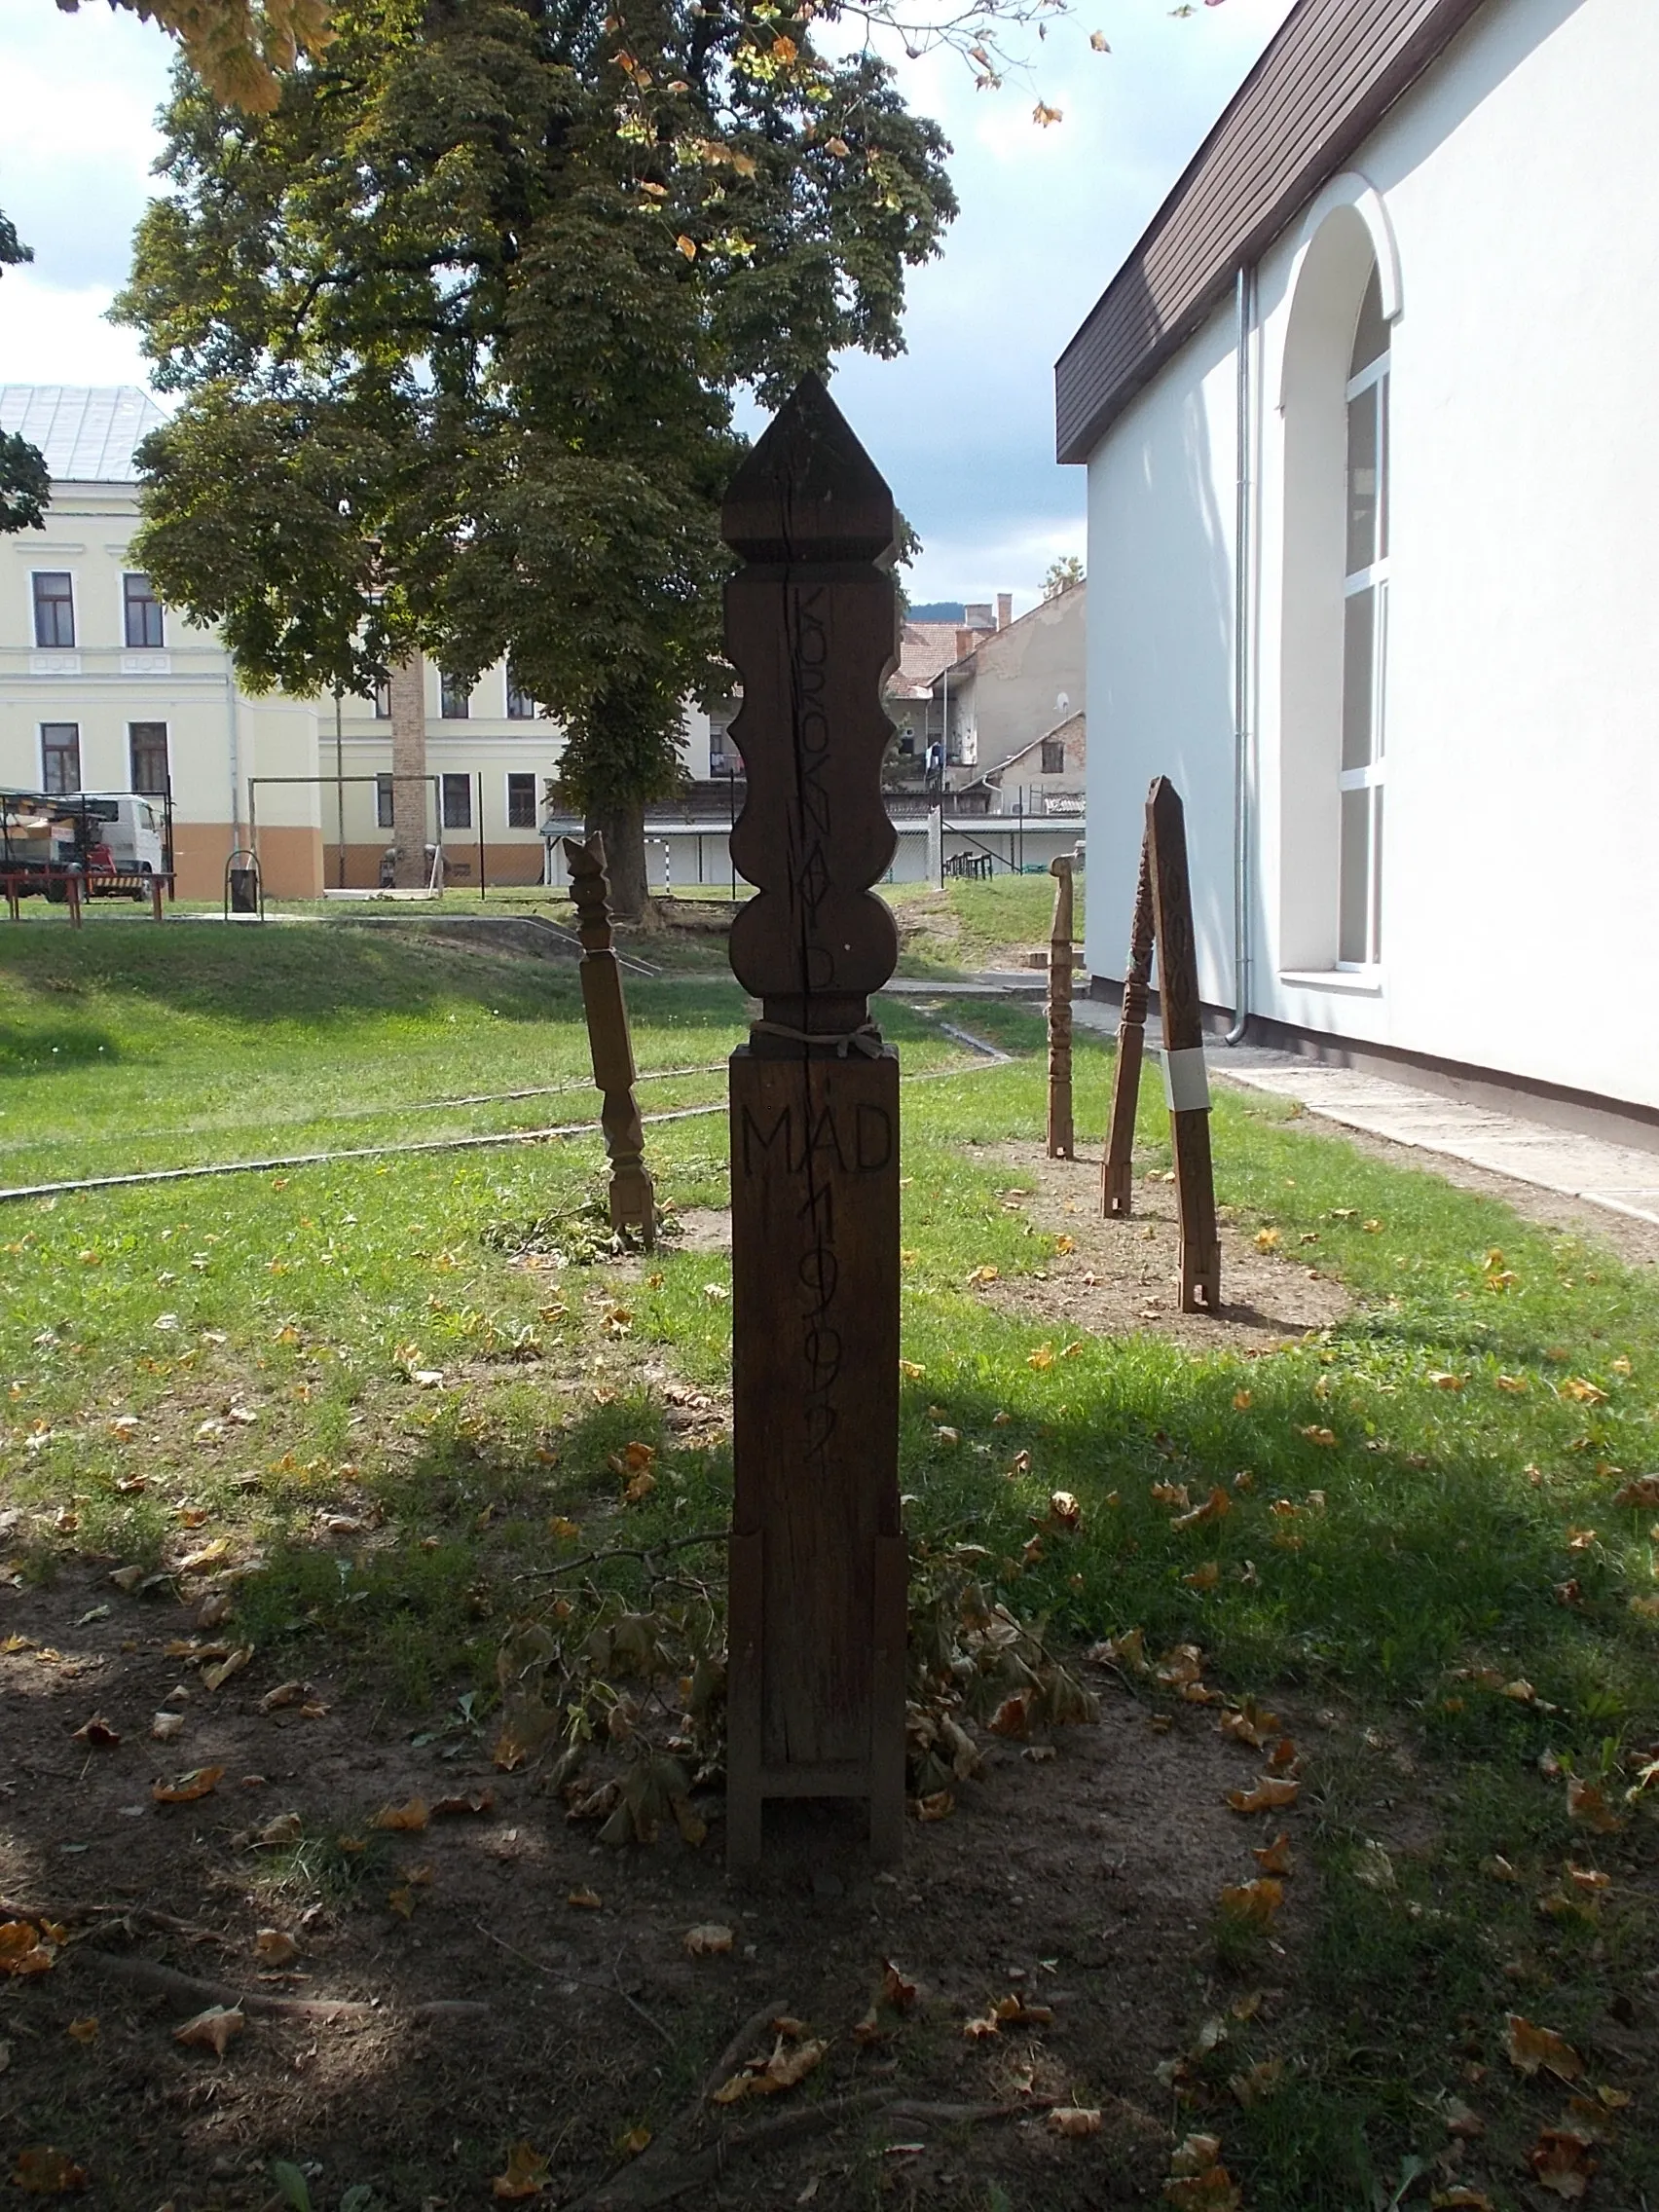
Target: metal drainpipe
[(1244, 557), (236, 758)]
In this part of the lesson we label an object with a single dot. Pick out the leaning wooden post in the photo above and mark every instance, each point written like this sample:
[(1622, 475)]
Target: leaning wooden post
[(814, 1696), (633, 1200), (1116, 1168), (1062, 1143), (1185, 1081)]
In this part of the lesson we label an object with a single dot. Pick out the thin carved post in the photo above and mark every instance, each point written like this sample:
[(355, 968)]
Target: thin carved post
[(633, 1199), (818, 1567), (1116, 1169), (1062, 1142), (1185, 1081)]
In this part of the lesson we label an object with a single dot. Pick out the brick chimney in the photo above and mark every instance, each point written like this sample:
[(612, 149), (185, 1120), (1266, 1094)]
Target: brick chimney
[(966, 641), (1004, 609)]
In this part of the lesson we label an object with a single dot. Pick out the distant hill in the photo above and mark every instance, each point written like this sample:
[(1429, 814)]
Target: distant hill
[(939, 611)]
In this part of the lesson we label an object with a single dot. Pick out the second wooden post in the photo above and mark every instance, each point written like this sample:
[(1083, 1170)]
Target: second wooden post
[(818, 1567)]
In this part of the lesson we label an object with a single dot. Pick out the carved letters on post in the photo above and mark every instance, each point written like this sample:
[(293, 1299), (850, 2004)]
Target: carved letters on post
[(633, 1198), (818, 1567), (1163, 916), (1061, 1136)]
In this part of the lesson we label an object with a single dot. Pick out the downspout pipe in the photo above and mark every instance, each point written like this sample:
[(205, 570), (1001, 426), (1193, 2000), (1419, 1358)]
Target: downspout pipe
[(1243, 568)]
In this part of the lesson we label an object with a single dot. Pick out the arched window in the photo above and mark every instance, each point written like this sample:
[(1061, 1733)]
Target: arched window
[(1334, 607), (1365, 640)]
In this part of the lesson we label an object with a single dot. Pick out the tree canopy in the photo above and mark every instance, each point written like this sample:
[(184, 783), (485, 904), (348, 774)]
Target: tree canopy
[(24, 486), (459, 326)]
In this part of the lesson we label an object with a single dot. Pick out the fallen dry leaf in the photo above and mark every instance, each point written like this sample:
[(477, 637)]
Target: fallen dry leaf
[(1562, 2161), (1530, 2047), (98, 1734), (897, 1989), (588, 1901), (274, 1948), (1461, 2200), (214, 2030), (1257, 1900), (1257, 2082), (1268, 1793), (477, 1801), (1273, 1857), (708, 1939), (166, 1726), (1215, 1507), (1586, 1393), (764, 2078), (233, 1663), (22, 1950), (198, 1782), (1204, 1577), (283, 1828), (1643, 1492), (84, 2031), (526, 2175), (405, 1820), (1587, 1802), (42, 2171), (1075, 2120), (1317, 1435)]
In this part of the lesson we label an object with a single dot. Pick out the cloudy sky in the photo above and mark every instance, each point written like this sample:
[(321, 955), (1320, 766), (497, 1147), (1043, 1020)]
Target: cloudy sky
[(962, 424)]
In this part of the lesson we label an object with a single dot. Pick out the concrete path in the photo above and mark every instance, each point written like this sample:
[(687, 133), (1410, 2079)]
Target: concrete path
[(1621, 1177)]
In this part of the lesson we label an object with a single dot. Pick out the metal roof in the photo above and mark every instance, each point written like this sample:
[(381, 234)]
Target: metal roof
[(86, 433)]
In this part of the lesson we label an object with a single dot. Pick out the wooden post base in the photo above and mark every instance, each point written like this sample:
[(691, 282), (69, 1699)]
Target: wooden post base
[(819, 1565)]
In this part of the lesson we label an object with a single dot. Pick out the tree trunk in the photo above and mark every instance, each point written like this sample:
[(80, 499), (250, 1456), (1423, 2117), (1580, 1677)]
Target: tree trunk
[(622, 825), (408, 688)]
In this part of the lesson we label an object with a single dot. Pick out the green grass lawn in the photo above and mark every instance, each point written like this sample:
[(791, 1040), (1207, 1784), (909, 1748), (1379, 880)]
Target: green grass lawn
[(1424, 1535)]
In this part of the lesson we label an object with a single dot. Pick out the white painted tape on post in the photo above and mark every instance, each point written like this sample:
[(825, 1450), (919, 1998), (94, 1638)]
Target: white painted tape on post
[(1185, 1081)]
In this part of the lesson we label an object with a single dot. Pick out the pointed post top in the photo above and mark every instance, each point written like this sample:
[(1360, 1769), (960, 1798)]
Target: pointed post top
[(808, 491)]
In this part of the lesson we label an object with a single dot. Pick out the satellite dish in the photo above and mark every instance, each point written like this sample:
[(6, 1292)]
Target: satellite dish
[(1063, 701)]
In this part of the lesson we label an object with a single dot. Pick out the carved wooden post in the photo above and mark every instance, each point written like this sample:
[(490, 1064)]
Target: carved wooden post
[(633, 1200), (1062, 1143), (818, 1567), (1116, 1169), (1186, 1082)]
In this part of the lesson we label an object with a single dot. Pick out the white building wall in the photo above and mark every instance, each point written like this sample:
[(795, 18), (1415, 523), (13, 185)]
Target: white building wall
[(1520, 183)]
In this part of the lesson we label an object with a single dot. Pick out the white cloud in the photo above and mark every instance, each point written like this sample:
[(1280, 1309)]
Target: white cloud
[(49, 334)]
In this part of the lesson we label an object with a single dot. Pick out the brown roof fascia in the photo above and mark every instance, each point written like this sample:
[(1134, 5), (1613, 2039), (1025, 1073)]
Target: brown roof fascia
[(1327, 78)]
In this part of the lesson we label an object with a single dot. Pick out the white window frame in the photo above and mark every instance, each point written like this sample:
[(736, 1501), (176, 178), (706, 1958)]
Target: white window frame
[(1375, 577), (58, 721), (126, 644), (463, 777), (507, 798), (74, 645), (508, 688), (151, 721)]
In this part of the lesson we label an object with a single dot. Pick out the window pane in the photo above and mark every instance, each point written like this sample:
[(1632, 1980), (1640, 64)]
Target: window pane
[(383, 803), (1371, 335), (143, 613), (521, 802), (457, 699), (53, 608), (521, 707), (1359, 618), (1382, 502), (457, 802), (147, 748), (1355, 930), (60, 758), (1376, 873), (1362, 459), (383, 700)]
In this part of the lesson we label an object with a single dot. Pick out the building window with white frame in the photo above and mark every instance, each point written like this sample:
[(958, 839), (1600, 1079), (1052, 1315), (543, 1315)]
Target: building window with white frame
[(383, 698), (521, 707), (455, 702), (457, 795), (141, 614), (1365, 640), (383, 818), (60, 758), (521, 802), (53, 608), (147, 756)]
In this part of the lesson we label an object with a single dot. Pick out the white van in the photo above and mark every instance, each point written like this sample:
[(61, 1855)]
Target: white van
[(124, 835)]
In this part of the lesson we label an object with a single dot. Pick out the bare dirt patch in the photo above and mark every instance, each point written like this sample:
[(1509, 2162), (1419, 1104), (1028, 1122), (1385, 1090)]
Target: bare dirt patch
[(1087, 1882), (1120, 1278)]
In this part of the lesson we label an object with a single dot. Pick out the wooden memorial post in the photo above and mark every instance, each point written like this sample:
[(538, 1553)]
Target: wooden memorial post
[(1116, 1168), (1163, 916), (819, 1565), (1063, 1141), (633, 1199)]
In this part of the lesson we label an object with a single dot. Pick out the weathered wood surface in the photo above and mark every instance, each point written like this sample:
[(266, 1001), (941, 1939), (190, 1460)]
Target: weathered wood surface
[(1116, 1168), (1184, 1081), (1062, 1139), (633, 1197), (817, 1611)]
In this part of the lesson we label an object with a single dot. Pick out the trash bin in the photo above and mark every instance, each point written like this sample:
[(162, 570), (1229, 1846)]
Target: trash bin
[(244, 891)]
